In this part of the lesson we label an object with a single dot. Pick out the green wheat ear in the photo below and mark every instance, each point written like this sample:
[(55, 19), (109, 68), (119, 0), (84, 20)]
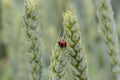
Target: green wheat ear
[(108, 27), (76, 52), (33, 43), (58, 63)]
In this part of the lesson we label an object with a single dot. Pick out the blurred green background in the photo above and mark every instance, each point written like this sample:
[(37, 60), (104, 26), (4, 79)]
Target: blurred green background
[(12, 48)]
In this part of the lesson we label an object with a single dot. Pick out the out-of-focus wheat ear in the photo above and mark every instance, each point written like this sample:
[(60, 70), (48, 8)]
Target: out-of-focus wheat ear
[(9, 36), (0, 14), (58, 63), (0, 24), (75, 47), (32, 41), (108, 27)]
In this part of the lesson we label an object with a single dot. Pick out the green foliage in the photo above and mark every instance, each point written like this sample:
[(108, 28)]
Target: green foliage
[(27, 40)]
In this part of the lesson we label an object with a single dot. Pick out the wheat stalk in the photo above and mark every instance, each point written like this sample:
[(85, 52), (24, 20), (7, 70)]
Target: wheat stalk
[(108, 27), (75, 48), (32, 30), (58, 63)]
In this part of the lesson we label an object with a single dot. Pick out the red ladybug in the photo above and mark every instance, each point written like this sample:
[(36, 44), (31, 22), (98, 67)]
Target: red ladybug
[(62, 43)]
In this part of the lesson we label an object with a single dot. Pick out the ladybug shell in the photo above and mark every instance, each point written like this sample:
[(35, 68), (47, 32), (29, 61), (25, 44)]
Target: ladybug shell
[(62, 43)]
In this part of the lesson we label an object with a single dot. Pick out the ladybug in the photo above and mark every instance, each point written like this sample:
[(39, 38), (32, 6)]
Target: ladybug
[(62, 43)]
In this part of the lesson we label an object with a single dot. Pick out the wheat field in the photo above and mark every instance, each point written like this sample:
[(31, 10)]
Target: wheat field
[(59, 39)]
